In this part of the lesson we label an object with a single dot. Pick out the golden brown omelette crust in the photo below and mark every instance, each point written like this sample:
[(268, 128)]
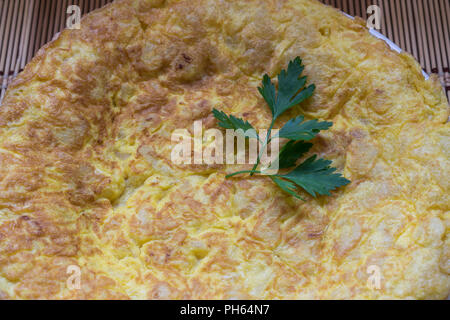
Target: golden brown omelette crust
[(86, 177)]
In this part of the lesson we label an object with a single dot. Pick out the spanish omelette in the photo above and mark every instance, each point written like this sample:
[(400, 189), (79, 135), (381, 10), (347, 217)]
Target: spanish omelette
[(86, 177)]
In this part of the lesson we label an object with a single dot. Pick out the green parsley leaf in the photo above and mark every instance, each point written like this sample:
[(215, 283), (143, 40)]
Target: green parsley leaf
[(316, 177), (287, 186), (295, 129), (291, 152), (231, 122), (289, 86), (268, 92)]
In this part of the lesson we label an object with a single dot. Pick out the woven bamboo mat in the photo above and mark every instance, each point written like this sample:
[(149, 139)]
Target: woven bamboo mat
[(421, 27)]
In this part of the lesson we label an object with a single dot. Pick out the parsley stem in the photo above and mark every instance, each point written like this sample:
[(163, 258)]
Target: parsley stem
[(266, 142), (240, 172)]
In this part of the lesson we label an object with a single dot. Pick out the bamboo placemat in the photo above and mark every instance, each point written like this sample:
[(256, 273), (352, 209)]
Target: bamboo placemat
[(421, 27)]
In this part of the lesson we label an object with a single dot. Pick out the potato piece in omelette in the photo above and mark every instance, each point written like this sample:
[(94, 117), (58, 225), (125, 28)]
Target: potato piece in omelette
[(86, 177)]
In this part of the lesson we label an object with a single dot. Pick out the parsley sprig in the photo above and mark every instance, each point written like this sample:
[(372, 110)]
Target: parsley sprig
[(313, 175)]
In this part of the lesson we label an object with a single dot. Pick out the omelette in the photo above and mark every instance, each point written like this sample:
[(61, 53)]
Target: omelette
[(87, 182)]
